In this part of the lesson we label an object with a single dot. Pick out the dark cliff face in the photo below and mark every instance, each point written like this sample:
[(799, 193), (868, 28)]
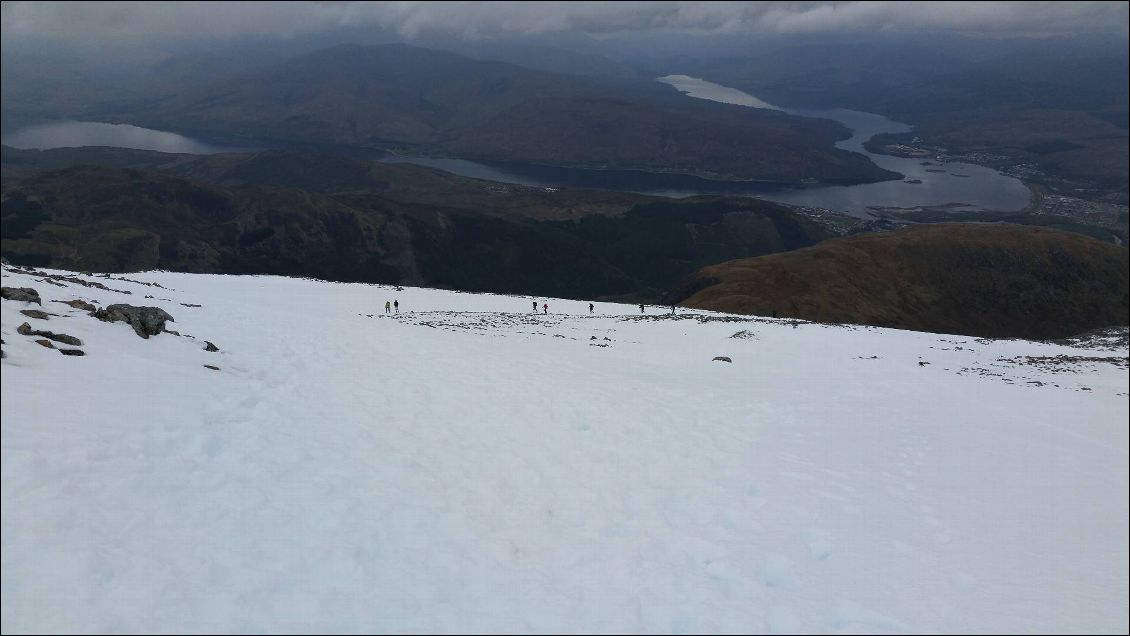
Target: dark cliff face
[(123, 220), (571, 244), (982, 280)]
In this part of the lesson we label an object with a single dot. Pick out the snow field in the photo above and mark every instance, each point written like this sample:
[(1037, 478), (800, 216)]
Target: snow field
[(467, 466)]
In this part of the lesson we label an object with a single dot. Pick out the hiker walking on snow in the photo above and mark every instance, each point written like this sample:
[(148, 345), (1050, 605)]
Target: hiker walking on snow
[(387, 307), (396, 305), (545, 308), (590, 308), (535, 310), (641, 308)]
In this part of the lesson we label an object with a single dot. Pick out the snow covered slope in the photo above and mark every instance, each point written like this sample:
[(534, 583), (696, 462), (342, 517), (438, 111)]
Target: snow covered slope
[(468, 466)]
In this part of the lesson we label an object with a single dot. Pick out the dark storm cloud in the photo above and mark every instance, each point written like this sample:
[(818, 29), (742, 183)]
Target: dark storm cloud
[(138, 21)]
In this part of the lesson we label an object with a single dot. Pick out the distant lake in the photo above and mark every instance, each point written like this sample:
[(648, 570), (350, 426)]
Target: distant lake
[(654, 183), (963, 186), (74, 134), (966, 185)]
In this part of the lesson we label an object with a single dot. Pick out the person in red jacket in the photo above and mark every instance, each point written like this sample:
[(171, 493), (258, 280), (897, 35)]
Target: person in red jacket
[(545, 308)]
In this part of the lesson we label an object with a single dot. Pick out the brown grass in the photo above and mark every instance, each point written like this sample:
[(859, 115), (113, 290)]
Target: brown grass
[(984, 280)]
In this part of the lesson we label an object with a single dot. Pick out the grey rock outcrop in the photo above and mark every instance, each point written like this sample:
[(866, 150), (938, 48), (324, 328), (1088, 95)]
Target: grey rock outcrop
[(146, 321), (25, 294)]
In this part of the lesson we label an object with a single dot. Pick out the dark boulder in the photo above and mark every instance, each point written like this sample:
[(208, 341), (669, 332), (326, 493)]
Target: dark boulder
[(208, 346), (35, 313), (72, 352), (44, 342), (723, 359), (146, 321), (25, 294)]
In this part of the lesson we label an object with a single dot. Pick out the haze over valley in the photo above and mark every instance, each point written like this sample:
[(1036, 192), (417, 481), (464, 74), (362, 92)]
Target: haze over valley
[(514, 317)]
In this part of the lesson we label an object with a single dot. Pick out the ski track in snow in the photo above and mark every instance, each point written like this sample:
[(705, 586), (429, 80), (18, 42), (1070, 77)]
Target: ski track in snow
[(467, 466)]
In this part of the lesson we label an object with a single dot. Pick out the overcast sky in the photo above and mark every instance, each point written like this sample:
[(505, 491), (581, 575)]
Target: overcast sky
[(138, 22)]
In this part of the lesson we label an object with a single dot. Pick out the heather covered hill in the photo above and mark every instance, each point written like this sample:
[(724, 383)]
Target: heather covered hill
[(984, 280)]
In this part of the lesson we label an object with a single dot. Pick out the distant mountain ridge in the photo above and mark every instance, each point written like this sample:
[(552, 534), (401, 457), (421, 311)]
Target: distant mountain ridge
[(443, 103)]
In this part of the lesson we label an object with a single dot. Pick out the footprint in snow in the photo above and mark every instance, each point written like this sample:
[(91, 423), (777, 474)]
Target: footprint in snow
[(781, 619), (776, 570), (819, 543)]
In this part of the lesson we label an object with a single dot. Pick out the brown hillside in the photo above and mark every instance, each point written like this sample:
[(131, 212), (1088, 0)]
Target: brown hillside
[(984, 280)]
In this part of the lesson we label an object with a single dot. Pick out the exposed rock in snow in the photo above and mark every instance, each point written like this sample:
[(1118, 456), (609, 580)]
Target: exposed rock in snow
[(146, 321), (78, 304), (23, 294), (26, 330)]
